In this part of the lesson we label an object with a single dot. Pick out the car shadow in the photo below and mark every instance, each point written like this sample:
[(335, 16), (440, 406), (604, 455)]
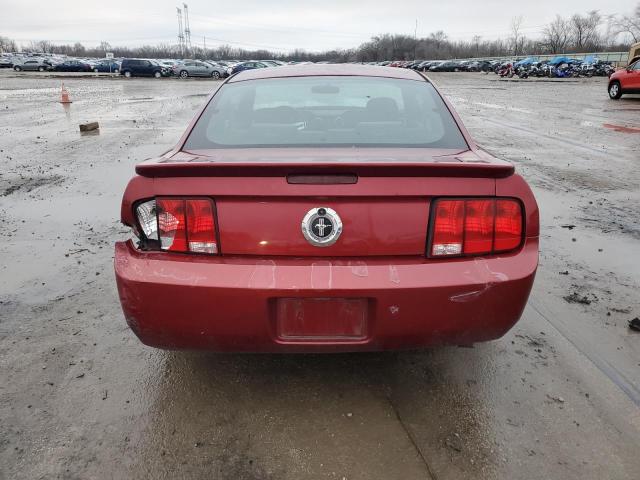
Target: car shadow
[(257, 414)]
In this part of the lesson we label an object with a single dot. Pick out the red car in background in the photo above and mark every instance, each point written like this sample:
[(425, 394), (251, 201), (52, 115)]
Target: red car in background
[(626, 80), (324, 208)]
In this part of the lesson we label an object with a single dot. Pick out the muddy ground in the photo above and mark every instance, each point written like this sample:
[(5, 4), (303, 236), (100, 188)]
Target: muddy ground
[(558, 397)]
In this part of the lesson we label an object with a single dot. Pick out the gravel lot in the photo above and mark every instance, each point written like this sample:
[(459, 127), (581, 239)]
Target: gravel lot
[(80, 397)]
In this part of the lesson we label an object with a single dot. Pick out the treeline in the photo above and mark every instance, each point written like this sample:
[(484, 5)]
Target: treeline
[(580, 33)]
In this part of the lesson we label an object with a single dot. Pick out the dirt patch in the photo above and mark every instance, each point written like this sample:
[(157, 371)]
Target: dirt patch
[(575, 297), (28, 184)]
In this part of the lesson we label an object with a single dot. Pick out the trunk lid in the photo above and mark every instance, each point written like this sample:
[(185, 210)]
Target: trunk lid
[(382, 200)]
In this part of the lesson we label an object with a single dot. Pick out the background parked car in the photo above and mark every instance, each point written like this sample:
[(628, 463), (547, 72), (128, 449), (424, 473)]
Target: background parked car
[(220, 69), (6, 61), (142, 67), (168, 63), (34, 64), (434, 65), (107, 66), (445, 67), (72, 66), (245, 66), (424, 66), (274, 63), (196, 68), (626, 80)]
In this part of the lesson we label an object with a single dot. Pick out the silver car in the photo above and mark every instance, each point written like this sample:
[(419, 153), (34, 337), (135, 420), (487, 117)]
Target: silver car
[(33, 64), (196, 68)]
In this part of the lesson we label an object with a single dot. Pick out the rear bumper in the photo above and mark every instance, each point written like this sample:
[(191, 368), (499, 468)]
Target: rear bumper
[(175, 301)]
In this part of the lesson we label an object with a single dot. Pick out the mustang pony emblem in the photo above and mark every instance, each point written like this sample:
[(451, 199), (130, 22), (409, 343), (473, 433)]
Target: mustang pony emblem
[(321, 226)]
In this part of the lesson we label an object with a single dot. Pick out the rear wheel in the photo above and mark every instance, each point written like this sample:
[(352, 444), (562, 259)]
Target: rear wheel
[(41, 69), (127, 74), (157, 74), (116, 71), (17, 68), (615, 92), (184, 74), (215, 74), (95, 70)]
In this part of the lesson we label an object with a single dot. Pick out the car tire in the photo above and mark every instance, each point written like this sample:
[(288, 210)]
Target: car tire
[(615, 91), (127, 74), (41, 69), (17, 68), (215, 74), (95, 70), (157, 74), (116, 71), (184, 74)]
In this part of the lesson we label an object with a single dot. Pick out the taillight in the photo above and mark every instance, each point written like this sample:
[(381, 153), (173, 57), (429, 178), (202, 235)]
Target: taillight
[(172, 225), (179, 224), (508, 229), (448, 231), (148, 219), (477, 226), (201, 231)]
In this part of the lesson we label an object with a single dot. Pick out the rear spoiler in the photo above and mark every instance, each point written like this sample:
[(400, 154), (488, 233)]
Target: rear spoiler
[(434, 168)]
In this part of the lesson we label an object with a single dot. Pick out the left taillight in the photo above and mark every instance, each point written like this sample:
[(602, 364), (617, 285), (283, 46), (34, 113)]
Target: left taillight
[(179, 224), (475, 226)]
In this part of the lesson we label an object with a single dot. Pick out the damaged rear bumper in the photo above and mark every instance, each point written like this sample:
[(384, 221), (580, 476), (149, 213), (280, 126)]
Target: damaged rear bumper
[(175, 301)]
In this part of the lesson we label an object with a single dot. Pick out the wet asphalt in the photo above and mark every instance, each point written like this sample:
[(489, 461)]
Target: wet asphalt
[(80, 397)]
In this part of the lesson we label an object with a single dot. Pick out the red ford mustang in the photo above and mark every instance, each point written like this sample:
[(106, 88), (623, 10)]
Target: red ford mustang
[(324, 208)]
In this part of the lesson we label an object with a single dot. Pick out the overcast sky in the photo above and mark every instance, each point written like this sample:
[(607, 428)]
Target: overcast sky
[(279, 24)]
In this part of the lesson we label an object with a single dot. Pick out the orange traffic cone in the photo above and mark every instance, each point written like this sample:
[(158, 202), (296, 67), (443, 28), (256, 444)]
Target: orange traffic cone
[(64, 95)]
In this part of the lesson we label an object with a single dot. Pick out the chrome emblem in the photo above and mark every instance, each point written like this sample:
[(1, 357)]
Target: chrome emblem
[(321, 226)]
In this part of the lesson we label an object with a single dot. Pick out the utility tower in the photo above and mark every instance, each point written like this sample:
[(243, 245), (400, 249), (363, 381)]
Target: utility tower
[(180, 33), (187, 30)]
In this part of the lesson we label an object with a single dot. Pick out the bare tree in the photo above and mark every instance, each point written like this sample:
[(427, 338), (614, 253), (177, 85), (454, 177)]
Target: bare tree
[(40, 46), (476, 42), (439, 38), (628, 24), (516, 34), (584, 31), (555, 36), (559, 35), (7, 45)]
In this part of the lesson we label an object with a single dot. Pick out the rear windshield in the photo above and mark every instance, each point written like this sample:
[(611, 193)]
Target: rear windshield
[(326, 111)]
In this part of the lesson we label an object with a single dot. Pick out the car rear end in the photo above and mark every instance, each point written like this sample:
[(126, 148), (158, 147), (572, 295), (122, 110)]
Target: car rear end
[(429, 245)]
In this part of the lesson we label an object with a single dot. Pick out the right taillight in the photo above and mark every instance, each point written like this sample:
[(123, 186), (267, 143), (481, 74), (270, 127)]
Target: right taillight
[(475, 226), (179, 224)]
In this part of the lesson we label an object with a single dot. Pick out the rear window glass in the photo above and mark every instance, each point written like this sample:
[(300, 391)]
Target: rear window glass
[(326, 111)]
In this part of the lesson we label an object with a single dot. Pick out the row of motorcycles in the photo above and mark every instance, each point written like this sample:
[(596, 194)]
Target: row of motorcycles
[(562, 70)]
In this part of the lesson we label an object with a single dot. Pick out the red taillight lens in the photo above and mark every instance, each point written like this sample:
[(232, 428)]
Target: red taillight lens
[(478, 226), (186, 225), (508, 225), (448, 229), (201, 231), (172, 228), (475, 226)]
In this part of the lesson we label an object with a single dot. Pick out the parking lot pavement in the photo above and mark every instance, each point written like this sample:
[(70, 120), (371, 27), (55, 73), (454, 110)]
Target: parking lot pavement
[(80, 397)]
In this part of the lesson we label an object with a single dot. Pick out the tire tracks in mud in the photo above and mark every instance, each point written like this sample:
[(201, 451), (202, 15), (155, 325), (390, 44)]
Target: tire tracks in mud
[(586, 348)]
